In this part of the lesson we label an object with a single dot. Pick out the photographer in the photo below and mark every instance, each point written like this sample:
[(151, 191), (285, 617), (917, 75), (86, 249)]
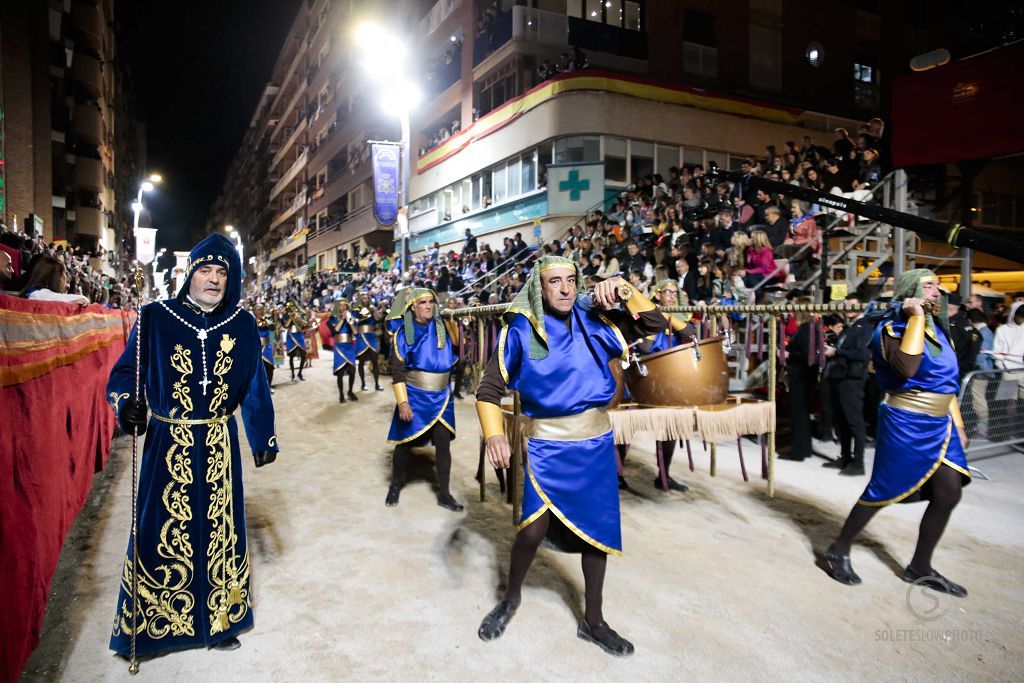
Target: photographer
[(846, 370)]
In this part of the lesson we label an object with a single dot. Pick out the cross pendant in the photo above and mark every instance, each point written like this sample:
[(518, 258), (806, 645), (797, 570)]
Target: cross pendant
[(204, 382)]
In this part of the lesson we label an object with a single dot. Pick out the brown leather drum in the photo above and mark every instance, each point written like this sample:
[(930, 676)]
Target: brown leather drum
[(676, 378)]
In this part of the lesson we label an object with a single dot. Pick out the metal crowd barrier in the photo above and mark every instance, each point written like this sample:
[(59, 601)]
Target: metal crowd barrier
[(992, 405)]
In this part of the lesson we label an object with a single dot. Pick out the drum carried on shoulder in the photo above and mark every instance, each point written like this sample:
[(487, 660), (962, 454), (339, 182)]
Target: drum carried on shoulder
[(693, 374)]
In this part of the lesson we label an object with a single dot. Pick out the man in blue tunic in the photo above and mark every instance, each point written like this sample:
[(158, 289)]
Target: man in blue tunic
[(343, 327), (265, 324), (200, 362), (423, 353), (367, 341), (294, 320), (679, 331), (920, 442), (555, 350)]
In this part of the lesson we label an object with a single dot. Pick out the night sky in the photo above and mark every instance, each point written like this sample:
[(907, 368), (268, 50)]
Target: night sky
[(199, 68)]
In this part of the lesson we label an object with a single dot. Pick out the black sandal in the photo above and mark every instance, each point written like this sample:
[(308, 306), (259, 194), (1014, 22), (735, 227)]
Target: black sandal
[(496, 621), (611, 642), (935, 581), (840, 568)]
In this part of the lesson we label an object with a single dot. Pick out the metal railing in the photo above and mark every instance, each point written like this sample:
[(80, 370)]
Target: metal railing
[(992, 405)]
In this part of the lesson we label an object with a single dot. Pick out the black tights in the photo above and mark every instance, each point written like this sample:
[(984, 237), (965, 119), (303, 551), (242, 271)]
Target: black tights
[(269, 367), (442, 439), (373, 357), (340, 374), (524, 549), (944, 488), (301, 355)]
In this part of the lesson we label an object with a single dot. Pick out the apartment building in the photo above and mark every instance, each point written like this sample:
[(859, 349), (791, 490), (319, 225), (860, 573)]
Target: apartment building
[(300, 187), (71, 145), (669, 83)]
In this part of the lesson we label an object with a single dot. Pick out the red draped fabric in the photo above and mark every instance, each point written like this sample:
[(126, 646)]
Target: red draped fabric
[(55, 434)]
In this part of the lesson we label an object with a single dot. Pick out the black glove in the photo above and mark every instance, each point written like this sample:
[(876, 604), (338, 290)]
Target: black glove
[(132, 415), (264, 457)]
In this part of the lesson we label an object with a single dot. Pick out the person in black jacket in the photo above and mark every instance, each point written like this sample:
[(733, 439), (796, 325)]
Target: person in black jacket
[(846, 371), (802, 376)]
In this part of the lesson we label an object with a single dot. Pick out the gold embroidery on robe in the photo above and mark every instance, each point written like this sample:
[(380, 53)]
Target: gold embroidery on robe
[(165, 600), (228, 600)]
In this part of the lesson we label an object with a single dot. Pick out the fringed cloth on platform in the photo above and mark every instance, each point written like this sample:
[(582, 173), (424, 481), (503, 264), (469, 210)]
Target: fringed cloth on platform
[(722, 422)]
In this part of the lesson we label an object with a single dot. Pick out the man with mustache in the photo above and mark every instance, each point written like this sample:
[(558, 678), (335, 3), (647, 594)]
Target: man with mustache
[(554, 350), (199, 362)]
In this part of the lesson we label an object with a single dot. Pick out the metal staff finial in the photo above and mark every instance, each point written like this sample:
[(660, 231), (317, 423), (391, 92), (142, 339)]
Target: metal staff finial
[(140, 282)]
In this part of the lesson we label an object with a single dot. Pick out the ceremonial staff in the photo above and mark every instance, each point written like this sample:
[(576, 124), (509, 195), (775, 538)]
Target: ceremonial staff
[(140, 283)]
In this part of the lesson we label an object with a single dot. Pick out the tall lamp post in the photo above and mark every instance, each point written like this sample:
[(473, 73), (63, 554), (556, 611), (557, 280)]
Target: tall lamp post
[(384, 57), (146, 185), (233, 234)]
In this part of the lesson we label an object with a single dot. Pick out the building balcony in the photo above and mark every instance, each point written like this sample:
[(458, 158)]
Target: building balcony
[(88, 174), (87, 124), (596, 37), (339, 186), (289, 175), (88, 23), (293, 207), (86, 71), (89, 221), (356, 224), (289, 141), (289, 244), (499, 33)]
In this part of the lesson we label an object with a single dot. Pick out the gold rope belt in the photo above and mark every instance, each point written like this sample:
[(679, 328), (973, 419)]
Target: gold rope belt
[(924, 402), (366, 329), (428, 381), (343, 339), (178, 421), (586, 425)]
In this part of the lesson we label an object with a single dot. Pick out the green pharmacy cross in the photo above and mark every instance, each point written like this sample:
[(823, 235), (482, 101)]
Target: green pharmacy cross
[(574, 186)]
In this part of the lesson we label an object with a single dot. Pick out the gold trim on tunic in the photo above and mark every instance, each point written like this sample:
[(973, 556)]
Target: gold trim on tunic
[(365, 329), (428, 381), (923, 402), (343, 339), (589, 424)]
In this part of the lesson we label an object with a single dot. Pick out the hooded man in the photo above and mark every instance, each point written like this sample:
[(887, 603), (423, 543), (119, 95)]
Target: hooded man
[(680, 330), (920, 439), (423, 353), (555, 350), (343, 327), (200, 362)]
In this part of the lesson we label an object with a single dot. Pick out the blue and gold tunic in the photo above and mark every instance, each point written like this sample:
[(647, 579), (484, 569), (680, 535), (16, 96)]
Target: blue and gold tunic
[(344, 341), (427, 371), (917, 432), (294, 336), (366, 337), (571, 466), (194, 579)]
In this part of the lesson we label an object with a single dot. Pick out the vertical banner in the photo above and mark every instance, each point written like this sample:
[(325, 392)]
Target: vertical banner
[(145, 245), (386, 180)]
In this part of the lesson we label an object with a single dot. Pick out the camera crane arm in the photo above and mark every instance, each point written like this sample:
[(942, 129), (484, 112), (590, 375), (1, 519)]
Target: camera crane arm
[(955, 235)]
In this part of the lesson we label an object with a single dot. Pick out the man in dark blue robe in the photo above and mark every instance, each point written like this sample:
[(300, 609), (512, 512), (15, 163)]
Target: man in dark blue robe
[(200, 362)]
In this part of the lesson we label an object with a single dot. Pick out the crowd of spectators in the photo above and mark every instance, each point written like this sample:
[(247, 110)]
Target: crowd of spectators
[(35, 269), (577, 61), (723, 241)]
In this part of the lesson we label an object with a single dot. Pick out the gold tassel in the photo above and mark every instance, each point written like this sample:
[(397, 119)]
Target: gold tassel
[(221, 624), (235, 594)]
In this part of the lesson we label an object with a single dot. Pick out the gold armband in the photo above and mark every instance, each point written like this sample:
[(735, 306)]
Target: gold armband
[(401, 395), (954, 411), (492, 423), (912, 343), (638, 303)]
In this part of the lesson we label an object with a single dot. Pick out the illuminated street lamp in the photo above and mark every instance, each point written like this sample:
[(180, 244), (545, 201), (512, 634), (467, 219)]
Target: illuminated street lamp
[(146, 185), (385, 56)]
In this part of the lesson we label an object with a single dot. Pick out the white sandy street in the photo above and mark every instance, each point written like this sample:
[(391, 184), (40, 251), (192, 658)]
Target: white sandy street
[(719, 583)]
